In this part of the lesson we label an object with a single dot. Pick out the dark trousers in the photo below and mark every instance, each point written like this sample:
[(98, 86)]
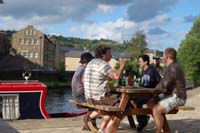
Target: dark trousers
[(140, 102)]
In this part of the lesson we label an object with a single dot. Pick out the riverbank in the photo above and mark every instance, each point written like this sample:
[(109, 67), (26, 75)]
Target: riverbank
[(57, 84)]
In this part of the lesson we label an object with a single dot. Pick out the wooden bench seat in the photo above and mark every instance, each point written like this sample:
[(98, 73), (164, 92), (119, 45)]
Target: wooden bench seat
[(143, 111), (139, 111), (184, 108), (107, 108)]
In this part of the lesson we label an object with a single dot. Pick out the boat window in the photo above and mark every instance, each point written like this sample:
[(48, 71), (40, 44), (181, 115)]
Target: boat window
[(9, 106)]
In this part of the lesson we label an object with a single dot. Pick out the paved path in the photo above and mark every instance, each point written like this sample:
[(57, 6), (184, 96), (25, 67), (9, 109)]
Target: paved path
[(183, 122)]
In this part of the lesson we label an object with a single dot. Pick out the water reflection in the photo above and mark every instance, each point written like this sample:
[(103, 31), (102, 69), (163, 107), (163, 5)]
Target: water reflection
[(57, 101)]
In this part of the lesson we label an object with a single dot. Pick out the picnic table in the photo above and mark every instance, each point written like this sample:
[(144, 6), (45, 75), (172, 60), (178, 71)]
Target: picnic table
[(127, 95)]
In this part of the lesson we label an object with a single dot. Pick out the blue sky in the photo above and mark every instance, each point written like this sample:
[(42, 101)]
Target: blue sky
[(165, 22)]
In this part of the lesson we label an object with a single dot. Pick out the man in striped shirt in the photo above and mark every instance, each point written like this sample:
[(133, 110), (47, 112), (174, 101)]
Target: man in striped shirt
[(96, 76)]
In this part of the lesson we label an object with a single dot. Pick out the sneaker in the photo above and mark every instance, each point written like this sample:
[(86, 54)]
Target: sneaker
[(141, 126), (100, 131)]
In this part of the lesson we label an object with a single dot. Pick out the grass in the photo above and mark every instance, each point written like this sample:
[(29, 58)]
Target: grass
[(56, 83)]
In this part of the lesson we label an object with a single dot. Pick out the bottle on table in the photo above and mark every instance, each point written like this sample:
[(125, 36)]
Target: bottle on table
[(123, 82), (136, 81)]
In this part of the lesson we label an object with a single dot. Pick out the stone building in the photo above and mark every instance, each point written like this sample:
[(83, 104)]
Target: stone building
[(72, 59), (4, 45), (59, 61), (35, 46)]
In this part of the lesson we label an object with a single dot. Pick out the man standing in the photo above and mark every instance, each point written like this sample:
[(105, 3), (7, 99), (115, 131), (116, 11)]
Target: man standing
[(174, 83), (97, 74), (77, 79)]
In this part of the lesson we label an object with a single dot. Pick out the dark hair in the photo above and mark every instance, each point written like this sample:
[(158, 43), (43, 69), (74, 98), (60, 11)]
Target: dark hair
[(171, 53), (145, 58), (86, 57), (101, 49)]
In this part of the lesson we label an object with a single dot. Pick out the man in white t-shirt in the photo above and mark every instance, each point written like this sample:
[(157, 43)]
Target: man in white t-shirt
[(96, 76)]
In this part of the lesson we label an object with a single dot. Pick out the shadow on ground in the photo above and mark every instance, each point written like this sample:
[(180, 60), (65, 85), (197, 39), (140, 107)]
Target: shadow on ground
[(176, 126)]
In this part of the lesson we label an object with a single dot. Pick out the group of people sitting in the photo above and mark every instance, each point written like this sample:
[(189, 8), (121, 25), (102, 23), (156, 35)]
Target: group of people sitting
[(89, 84)]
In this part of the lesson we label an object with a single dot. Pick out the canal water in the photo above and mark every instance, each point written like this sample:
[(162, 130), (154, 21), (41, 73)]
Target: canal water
[(57, 101)]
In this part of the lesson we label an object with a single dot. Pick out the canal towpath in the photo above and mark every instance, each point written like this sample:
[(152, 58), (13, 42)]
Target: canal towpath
[(182, 122)]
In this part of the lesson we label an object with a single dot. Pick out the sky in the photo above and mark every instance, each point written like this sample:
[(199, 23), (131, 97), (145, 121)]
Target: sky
[(165, 22)]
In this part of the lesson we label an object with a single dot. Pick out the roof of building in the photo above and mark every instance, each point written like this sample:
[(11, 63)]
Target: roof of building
[(75, 54), (64, 48), (16, 63)]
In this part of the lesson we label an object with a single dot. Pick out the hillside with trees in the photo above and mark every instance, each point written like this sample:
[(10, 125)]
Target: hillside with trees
[(90, 44)]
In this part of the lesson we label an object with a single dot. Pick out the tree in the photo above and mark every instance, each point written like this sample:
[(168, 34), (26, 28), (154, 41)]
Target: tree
[(189, 51), (138, 44)]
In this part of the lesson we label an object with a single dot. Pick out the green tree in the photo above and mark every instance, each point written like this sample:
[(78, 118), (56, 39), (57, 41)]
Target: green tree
[(138, 44), (189, 51)]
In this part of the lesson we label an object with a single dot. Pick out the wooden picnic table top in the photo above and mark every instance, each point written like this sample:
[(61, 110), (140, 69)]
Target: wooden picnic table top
[(141, 90)]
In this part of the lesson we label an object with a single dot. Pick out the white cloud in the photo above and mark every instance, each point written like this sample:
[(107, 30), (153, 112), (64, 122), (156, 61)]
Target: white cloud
[(122, 29), (10, 23), (104, 8), (118, 30)]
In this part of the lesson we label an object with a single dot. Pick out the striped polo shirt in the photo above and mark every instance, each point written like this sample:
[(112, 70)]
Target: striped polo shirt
[(96, 78)]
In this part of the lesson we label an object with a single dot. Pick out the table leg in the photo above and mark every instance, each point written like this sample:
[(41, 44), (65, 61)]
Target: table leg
[(124, 101), (131, 121), (131, 104), (113, 124)]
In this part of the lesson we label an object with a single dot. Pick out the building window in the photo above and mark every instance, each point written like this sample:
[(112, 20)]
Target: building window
[(35, 55), (50, 47), (20, 53), (25, 54), (26, 41), (50, 57), (30, 41), (35, 41), (30, 32), (20, 41), (26, 32), (30, 54)]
